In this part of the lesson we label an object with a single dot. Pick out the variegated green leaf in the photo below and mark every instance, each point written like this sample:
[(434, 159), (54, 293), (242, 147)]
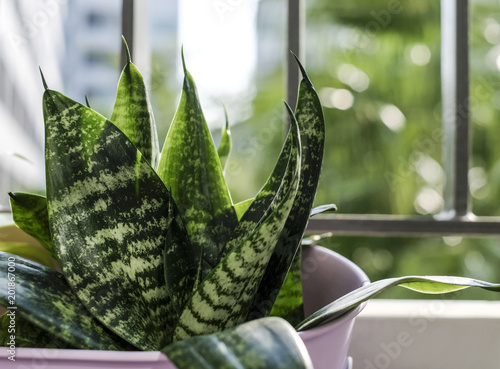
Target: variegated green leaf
[(30, 214), (260, 344), (132, 112), (43, 297), (23, 333), (223, 299), (309, 116), (29, 251), (182, 262), (253, 211), (289, 304), (191, 170), (263, 201), (224, 148), (427, 284), (108, 215)]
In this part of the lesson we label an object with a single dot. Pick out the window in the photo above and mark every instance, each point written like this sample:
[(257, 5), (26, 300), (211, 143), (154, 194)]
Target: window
[(454, 217), (415, 103), (397, 73)]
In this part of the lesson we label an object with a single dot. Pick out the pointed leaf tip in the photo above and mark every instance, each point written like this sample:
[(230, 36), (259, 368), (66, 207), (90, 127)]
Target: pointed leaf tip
[(302, 69), (127, 50), (43, 79), (290, 112), (225, 115), (183, 61)]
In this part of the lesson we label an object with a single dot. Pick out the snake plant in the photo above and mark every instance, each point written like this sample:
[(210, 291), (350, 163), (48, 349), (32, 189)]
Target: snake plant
[(151, 247), (154, 254)]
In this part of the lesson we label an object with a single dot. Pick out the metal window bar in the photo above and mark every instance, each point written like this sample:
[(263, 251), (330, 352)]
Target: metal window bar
[(456, 218), (135, 29)]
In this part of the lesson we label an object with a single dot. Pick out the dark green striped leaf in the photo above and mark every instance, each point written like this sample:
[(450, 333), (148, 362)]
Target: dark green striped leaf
[(44, 298), (108, 215), (253, 211), (310, 119), (262, 204), (191, 170), (224, 148), (427, 284), (27, 334), (182, 262), (30, 214), (223, 299), (132, 112), (289, 304), (260, 344)]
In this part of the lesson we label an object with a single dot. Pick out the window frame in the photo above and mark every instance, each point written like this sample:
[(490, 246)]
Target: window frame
[(457, 217)]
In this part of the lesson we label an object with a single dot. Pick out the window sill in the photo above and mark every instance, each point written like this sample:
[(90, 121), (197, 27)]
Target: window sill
[(444, 334)]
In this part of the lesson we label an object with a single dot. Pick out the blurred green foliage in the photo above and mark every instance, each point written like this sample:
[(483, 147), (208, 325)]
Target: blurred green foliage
[(376, 67), (375, 166)]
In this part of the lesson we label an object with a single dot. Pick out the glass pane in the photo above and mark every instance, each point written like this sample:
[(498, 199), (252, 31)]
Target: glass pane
[(30, 37), (376, 65), (91, 62), (235, 52), (484, 174)]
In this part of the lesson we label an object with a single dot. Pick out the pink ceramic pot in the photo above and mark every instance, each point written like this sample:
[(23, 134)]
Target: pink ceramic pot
[(326, 276)]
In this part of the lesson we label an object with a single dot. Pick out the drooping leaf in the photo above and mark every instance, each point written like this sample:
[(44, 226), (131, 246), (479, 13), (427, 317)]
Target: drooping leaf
[(44, 298), (132, 112), (260, 344), (330, 208), (427, 284), (28, 251), (191, 170), (310, 119), (108, 215), (20, 332), (224, 148), (223, 299), (30, 214)]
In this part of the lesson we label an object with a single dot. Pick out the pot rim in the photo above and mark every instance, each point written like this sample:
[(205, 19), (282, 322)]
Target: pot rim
[(350, 314)]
